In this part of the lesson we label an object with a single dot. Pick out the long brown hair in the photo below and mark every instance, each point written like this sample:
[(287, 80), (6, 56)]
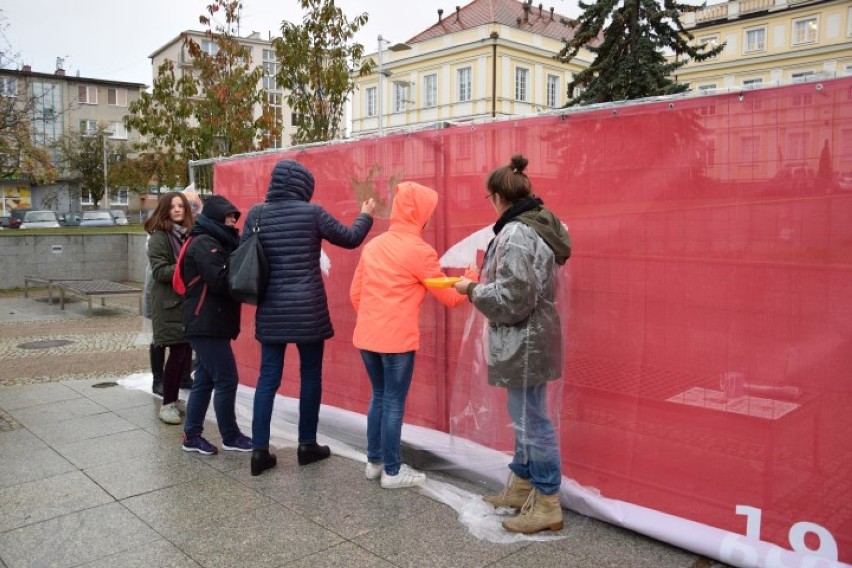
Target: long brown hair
[(160, 220)]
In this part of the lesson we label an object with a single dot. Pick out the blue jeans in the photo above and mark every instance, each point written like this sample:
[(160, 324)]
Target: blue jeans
[(310, 390), (390, 376), (215, 369), (536, 448)]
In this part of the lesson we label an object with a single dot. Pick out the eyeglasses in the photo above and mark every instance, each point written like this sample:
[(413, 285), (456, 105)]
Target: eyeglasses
[(489, 196)]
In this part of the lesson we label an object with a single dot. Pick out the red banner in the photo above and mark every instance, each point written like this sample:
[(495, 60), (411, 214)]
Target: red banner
[(710, 322)]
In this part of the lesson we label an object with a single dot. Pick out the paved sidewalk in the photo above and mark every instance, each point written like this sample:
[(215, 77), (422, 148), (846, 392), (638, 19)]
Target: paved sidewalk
[(89, 476)]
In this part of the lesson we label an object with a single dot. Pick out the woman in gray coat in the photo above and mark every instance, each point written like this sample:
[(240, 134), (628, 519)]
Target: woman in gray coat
[(517, 294), (168, 227)]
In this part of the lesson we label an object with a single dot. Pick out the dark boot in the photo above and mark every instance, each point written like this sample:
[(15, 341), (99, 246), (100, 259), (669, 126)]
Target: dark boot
[(261, 460), (158, 361), (313, 452)]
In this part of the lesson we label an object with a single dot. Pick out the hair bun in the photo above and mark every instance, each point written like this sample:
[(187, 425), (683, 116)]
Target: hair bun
[(519, 163)]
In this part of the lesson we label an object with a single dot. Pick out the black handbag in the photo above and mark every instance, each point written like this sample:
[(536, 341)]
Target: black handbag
[(248, 268)]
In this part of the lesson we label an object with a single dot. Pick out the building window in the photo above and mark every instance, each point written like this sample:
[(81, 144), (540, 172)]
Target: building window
[(209, 47), (295, 119), (118, 130), (400, 92), (755, 39), (553, 91), (752, 83), (710, 153), (430, 91), (706, 89), (805, 30), (801, 76), (117, 97), (522, 78), (118, 196), (464, 146), (86, 198), (87, 95), (371, 101), (710, 42), (463, 77), (8, 87), (749, 147), (88, 127), (797, 145), (270, 70)]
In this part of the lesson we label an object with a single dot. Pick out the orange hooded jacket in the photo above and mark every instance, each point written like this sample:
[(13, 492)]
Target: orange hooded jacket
[(388, 290)]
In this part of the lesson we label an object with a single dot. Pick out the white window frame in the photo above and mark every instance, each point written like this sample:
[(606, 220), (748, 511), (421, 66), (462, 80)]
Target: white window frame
[(706, 88), (801, 76), (119, 132), (802, 23), (522, 84), (86, 198), (752, 83), (747, 47), (464, 80), (118, 96), (400, 96), (88, 127), (712, 41), (371, 101), (270, 70), (209, 47), (8, 87), (430, 90), (91, 94), (119, 195), (553, 90)]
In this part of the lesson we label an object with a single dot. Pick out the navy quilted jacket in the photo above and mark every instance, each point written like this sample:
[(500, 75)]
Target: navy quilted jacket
[(295, 307)]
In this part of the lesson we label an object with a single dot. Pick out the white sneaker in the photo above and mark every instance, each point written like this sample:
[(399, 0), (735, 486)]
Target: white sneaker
[(373, 470), (181, 405), (407, 477), (170, 414)]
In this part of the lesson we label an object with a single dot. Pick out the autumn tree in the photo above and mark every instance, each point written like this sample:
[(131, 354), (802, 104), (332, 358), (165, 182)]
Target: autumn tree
[(208, 108), (314, 68), (630, 58), (21, 111), (82, 156)]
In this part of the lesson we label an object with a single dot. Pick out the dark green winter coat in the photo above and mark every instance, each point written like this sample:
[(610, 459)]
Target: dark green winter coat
[(166, 317)]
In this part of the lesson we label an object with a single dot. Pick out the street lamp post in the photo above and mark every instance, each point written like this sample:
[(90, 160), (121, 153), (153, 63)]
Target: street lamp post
[(106, 172)]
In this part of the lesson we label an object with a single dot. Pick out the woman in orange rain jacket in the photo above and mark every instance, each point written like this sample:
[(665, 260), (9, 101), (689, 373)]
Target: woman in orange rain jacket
[(387, 292)]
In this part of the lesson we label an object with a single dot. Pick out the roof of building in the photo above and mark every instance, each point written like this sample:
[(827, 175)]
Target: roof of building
[(522, 15), (26, 72), (253, 37)]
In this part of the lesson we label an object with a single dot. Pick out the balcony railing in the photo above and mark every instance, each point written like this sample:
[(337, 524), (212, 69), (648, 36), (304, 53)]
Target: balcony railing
[(711, 13)]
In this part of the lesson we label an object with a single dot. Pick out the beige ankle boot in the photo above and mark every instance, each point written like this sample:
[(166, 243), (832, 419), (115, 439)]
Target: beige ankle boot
[(513, 495), (540, 512)]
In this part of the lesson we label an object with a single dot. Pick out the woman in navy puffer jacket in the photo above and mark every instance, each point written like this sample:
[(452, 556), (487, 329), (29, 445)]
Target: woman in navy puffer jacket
[(294, 308)]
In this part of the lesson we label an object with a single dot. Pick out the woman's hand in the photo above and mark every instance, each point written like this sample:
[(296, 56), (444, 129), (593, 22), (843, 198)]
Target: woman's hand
[(368, 206), (461, 285)]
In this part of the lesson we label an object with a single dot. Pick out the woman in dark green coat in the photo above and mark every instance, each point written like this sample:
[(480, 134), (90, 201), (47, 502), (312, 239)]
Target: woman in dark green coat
[(169, 227)]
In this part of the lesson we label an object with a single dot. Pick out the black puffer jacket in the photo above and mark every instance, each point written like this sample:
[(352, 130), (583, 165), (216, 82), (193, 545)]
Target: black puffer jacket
[(295, 307), (208, 309)]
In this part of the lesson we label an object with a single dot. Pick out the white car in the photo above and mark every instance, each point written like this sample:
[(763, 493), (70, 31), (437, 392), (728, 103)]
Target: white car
[(844, 181), (40, 220)]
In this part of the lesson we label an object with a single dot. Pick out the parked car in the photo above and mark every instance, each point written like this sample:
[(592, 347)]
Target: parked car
[(5, 222), (119, 216), (70, 219), (18, 217), (40, 220), (844, 181), (97, 218)]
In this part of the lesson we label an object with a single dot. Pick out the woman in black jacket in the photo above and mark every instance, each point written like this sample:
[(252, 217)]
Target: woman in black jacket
[(211, 320), (294, 308)]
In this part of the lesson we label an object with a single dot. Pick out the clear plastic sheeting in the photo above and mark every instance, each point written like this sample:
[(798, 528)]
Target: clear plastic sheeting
[(709, 342)]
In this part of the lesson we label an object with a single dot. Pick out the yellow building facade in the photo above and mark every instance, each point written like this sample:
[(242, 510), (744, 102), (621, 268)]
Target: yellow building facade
[(770, 42), (490, 58)]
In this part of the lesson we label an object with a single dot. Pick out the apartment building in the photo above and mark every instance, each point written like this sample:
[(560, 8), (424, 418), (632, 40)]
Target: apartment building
[(260, 51), (489, 58), (67, 105), (770, 42)]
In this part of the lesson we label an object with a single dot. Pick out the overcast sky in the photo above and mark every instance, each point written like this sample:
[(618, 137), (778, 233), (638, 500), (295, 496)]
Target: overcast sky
[(112, 39)]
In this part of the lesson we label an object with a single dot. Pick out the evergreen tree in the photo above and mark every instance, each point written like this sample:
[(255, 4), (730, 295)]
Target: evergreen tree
[(630, 52)]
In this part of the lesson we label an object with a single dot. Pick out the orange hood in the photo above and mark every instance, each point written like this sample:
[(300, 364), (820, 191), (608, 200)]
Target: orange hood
[(413, 205)]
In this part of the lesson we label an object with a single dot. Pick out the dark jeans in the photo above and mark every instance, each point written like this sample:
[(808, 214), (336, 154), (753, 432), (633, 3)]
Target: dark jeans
[(215, 369), (310, 391), (179, 356), (536, 448), (390, 376)]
